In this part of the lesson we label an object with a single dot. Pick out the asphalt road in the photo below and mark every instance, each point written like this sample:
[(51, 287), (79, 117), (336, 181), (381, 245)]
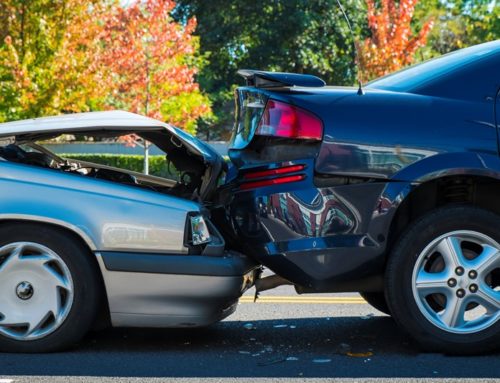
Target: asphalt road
[(333, 337)]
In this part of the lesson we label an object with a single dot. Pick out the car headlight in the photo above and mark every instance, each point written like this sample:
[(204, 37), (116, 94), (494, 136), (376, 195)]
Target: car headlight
[(199, 230)]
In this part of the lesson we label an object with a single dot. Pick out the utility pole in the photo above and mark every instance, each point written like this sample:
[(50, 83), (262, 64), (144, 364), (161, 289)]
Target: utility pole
[(146, 107)]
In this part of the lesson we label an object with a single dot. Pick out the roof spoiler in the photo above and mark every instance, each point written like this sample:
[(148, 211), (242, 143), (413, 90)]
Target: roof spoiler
[(262, 79)]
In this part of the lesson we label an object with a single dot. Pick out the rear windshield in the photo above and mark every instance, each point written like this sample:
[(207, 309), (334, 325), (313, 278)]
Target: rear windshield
[(415, 76)]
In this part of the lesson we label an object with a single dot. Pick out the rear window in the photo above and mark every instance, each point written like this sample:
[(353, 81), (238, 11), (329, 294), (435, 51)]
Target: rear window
[(250, 105), (415, 76)]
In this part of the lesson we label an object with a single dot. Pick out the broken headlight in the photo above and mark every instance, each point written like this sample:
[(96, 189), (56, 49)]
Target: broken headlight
[(199, 230)]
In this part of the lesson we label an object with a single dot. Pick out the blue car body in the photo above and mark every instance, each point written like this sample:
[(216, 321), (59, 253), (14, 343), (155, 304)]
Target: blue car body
[(432, 127)]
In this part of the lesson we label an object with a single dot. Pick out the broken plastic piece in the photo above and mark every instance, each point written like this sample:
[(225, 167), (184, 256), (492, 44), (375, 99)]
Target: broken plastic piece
[(359, 354)]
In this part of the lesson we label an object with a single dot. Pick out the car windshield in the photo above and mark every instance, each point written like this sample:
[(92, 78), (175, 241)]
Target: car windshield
[(410, 78)]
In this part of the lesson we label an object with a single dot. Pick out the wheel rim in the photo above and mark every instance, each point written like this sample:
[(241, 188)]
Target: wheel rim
[(456, 282), (37, 291)]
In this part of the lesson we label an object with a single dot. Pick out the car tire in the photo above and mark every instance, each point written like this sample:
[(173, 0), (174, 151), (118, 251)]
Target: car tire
[(377, 301), (50, 288), (432, 273)]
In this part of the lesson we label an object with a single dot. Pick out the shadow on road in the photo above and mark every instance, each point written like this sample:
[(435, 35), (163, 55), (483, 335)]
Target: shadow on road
[(308, 347)]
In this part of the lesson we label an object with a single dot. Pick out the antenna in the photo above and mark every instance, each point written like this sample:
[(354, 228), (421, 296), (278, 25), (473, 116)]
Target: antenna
[(356, 53)]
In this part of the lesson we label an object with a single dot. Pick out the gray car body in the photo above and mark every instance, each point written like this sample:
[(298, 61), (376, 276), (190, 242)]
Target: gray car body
[(116, 219)]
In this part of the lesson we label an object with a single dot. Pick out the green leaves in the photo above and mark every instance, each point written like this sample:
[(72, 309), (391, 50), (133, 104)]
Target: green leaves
[(72, 56), (293, 35), (60, 56)]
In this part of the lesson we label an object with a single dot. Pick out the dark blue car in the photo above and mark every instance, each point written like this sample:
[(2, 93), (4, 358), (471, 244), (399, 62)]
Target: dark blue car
[(391, 190)]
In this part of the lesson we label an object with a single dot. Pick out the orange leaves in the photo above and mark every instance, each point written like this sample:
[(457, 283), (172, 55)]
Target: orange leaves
[(392, 44), (81, 55), (144, 59)]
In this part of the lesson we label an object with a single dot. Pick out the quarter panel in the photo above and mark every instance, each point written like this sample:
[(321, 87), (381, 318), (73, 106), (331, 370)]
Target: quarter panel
[(396, 130)]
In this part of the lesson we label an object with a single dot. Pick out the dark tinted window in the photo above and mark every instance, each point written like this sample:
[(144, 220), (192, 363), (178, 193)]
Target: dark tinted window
[(425, 73)]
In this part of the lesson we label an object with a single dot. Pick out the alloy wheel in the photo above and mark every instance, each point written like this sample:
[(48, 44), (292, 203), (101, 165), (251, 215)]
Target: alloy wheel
[(456, 282)]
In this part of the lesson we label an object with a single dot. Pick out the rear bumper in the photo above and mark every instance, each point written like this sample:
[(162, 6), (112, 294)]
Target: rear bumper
[(321, 238), (157, 290)]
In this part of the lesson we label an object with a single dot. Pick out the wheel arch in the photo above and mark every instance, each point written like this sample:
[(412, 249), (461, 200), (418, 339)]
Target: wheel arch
[(464, 188), (65, 226), (103, 318)]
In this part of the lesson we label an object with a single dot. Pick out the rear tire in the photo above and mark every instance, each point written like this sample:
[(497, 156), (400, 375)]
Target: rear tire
[(50, 286), (377, 301), (443, 281)]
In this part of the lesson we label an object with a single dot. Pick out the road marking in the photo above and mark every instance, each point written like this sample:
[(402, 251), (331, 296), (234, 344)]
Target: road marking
[(309, 300)]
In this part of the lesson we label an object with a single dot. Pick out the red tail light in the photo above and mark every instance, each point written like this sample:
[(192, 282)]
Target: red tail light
[(275, 181), (284, 120), (274, 172), (283, 177)]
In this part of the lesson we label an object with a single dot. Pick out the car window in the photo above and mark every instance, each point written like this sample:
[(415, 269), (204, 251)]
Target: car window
[(420, 74)]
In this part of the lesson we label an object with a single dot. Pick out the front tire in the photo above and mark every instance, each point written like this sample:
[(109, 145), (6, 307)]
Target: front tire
[(50, 289), (443, 280)]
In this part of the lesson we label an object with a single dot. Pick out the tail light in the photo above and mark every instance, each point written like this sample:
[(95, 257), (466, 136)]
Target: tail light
[(275, 181), (283, 175), (284, 120), (273, 172)]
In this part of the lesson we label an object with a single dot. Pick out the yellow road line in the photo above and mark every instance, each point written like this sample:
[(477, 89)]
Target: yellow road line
[(299, 299)]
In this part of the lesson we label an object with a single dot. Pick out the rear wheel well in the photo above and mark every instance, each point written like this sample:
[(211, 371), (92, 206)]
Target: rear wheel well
[(103, 318), (475, 191)]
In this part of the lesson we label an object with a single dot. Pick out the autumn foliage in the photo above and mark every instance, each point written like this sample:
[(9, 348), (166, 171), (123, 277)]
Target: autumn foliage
[(392, 44), (99, 55), (148, 59), (32, 34)]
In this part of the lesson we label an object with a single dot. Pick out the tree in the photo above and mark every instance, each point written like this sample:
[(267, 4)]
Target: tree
[(392, 44), (283, 35), (459, 24), (149, 62), (31, 36), (62, 56)]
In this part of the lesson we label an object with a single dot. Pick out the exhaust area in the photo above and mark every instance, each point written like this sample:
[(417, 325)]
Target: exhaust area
[(268, 283)]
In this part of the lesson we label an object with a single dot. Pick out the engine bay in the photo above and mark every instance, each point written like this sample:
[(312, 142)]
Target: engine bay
[(191, 170)]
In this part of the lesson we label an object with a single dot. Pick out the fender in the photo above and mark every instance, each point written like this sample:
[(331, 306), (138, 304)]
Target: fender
[(431, 168), (80, 232), (108, 216), (448, 164)]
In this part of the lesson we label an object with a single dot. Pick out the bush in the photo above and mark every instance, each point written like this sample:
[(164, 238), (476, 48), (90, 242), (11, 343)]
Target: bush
[(157, 164)]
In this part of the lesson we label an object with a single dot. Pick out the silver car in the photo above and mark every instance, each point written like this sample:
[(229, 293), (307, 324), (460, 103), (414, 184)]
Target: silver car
[(82, 243)]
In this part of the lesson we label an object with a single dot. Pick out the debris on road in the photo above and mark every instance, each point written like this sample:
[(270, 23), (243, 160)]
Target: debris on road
[(249, 326), (360, 354), (322, 360)]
